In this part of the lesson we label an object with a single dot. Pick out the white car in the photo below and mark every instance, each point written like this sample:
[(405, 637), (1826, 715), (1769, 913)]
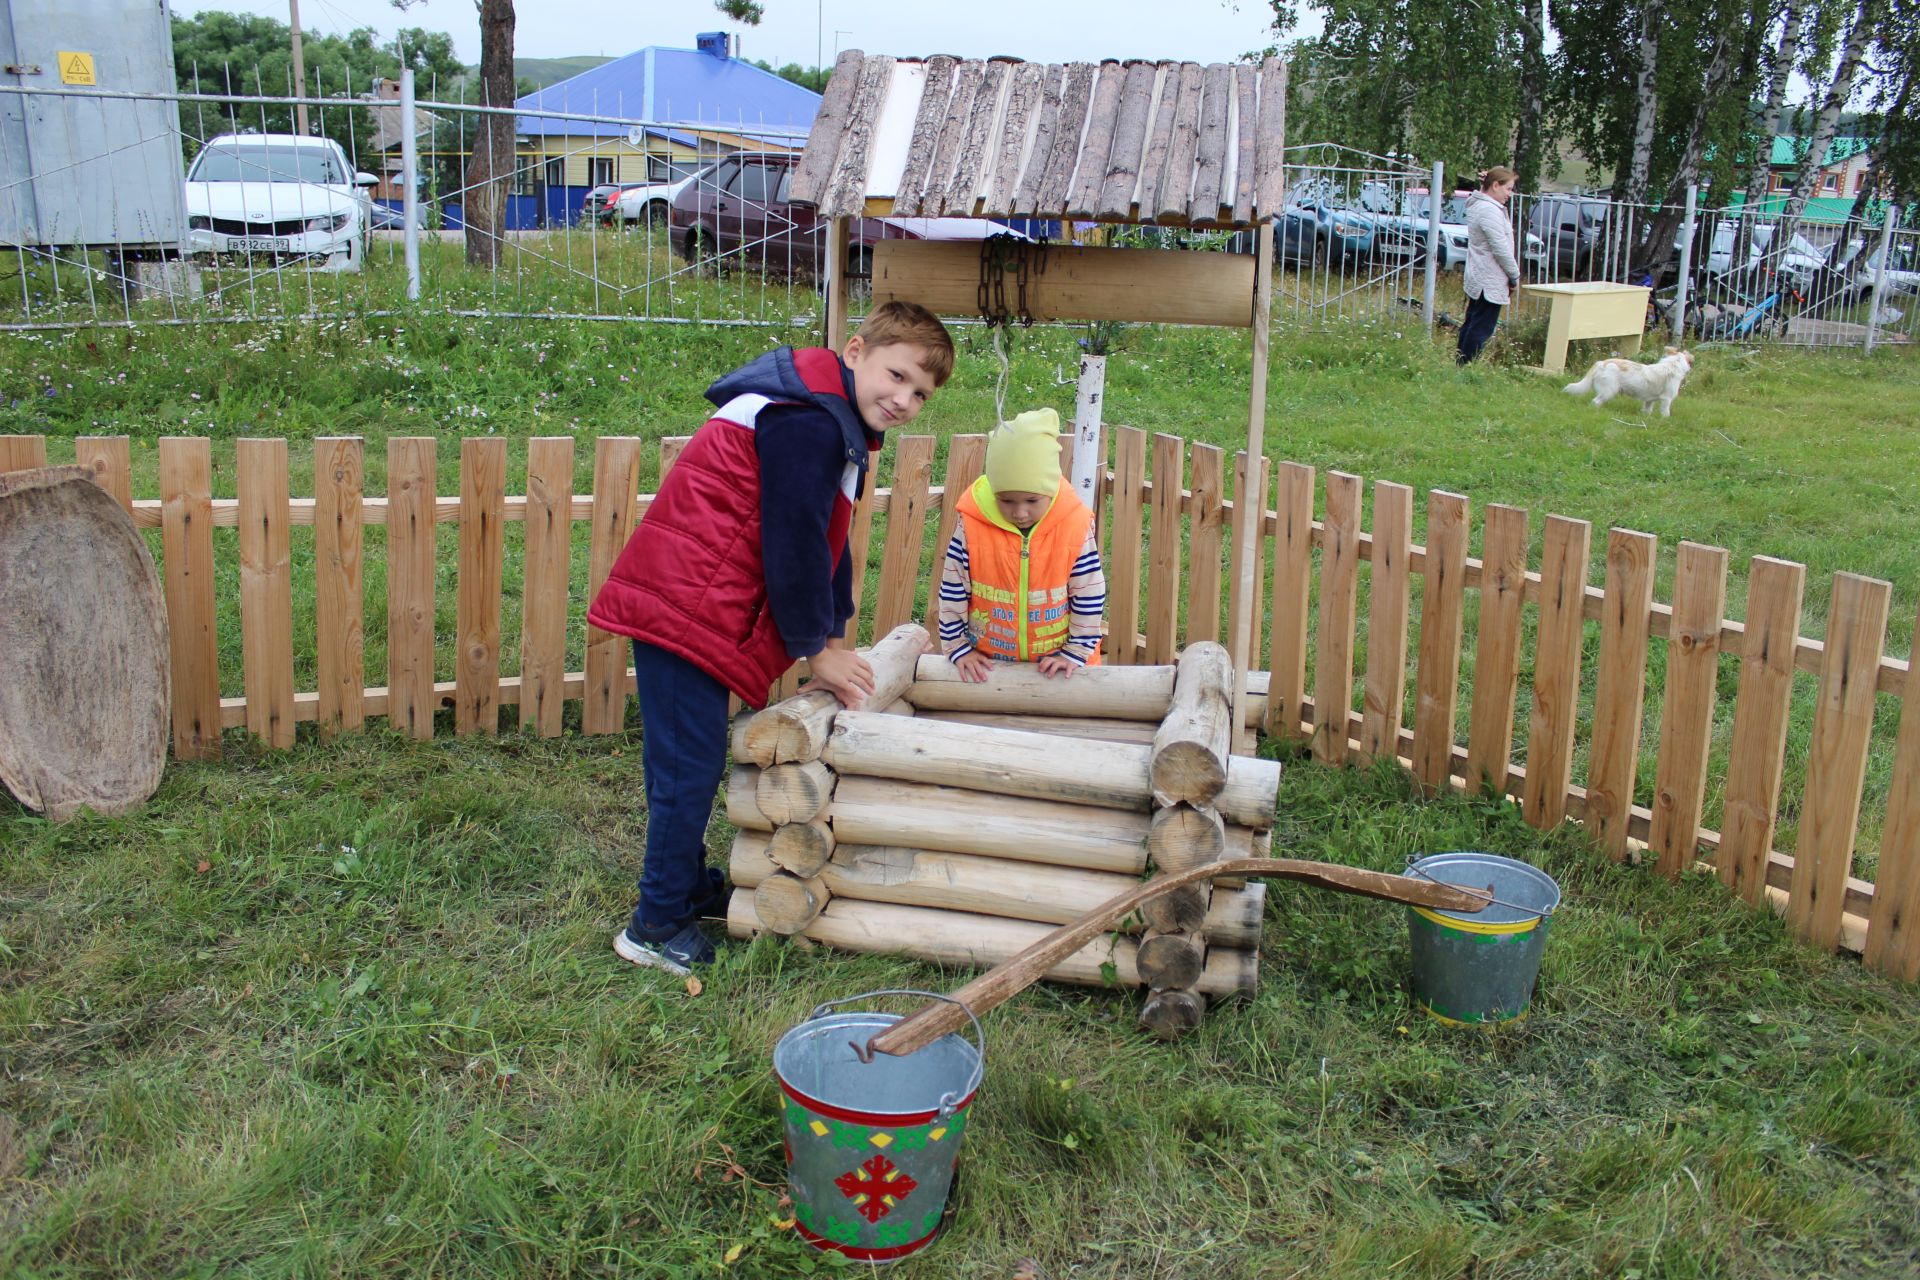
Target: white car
[(1405, 234), (646, 205), (291, 198), (1798, 263)]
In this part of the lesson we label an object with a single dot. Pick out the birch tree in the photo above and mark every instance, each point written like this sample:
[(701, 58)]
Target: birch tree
[(490, 167)]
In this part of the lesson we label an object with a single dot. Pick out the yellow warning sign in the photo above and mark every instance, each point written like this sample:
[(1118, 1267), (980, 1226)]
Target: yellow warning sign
[(75, 68)]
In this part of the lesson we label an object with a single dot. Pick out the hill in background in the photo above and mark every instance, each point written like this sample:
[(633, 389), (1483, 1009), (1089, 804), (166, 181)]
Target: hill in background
[(545, 71)]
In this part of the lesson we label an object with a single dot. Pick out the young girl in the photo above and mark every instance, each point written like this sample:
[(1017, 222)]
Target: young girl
[(1022, 580)]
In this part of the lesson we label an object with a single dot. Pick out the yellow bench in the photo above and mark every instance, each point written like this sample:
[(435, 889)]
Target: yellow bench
[(1590, 309)]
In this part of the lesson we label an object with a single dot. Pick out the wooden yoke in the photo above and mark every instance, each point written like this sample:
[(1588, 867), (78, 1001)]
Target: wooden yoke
[(1004, 981)]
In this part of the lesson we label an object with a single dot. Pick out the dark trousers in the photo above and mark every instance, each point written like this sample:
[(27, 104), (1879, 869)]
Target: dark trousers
[(683, 752), (1477, 328)]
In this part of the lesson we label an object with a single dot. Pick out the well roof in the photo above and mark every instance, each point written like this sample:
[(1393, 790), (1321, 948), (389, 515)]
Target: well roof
[(1172, 143)]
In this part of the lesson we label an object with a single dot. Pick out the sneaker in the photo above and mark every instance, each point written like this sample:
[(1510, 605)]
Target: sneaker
[(712, 903), (677, 950)]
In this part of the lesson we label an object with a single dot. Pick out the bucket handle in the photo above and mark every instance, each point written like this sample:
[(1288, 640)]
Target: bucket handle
[(949, 1102), (1498, 902)]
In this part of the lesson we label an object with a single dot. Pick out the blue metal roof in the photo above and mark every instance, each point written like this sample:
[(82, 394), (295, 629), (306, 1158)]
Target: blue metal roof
[(676, 87)]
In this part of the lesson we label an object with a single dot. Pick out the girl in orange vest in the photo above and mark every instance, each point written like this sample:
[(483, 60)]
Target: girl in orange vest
[(1022, 580)]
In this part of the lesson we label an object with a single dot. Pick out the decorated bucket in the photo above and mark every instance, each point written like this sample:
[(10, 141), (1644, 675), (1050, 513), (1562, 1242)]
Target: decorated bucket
[(872, 1140), (1475, 968)]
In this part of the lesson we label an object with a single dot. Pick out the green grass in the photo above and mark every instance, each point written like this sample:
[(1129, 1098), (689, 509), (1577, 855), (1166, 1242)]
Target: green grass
[(379, 1033), (348, 1010)]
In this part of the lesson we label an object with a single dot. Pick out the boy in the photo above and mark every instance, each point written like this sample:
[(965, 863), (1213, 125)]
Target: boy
[(740, 567), (1022, 580)]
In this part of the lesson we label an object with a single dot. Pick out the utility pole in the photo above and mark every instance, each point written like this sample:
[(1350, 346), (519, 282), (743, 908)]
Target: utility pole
[(299, 75)]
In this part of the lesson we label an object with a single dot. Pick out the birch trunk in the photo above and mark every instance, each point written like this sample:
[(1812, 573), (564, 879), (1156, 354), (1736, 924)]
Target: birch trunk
[(1779, 70), (1646, 92)]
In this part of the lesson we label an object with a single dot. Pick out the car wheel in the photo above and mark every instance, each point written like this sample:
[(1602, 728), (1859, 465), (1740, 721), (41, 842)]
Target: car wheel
[(700, 253), (654, 216)]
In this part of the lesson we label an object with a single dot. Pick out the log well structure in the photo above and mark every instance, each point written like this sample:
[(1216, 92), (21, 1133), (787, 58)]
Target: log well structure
[(960, 822)]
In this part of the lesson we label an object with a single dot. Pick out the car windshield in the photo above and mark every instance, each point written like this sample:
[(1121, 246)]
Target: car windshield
[(265, 162)]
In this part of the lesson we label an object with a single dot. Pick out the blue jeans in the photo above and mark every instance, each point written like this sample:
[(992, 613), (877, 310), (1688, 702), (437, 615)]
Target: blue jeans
[(683, 752), (1477, 328)]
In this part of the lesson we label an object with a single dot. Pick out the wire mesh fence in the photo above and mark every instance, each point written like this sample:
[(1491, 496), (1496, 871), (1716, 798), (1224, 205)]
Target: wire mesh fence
[(208, 207)]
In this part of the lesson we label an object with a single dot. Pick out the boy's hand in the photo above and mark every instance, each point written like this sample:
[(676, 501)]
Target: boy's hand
[(974, 667), (843, 672), (1055, 665)]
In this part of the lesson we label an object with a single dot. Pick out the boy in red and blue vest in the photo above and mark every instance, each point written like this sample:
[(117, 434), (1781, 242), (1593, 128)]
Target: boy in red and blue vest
[(1022, 580), (740, 567)]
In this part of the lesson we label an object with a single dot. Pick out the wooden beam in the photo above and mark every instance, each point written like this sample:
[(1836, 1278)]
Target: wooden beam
[(1165, 286)]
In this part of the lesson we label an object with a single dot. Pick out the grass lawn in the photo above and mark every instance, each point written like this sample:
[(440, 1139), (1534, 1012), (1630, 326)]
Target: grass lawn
[(347, 1010)]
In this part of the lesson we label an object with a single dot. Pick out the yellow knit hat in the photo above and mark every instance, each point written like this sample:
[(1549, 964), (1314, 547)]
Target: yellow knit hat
[(1023, 456)]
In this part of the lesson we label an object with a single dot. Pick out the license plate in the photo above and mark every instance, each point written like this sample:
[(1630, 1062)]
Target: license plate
[(1396, 248), (261, 244)]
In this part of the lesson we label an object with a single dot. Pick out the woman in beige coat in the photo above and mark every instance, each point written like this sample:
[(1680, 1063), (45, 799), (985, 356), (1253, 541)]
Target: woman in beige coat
[(1491, 266)]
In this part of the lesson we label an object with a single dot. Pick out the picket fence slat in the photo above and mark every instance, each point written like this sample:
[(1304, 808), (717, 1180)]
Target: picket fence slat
[(1556, 671), (616, 509), (1258, 577), (1442, 620), (1837, 757), (1339, 599), (1163, 549), (110, 459), (906, 532), (1388, 590), (411, 555), (266, 590), (544, 599), (966, 459), (1208, 525), (1496, 654), (1686, 727), (19, 453), (1123, 578), (1292, 580), (1619, 692), (1893, 936), (339, 610), (1775, 590), (483, 545), (186, 542)]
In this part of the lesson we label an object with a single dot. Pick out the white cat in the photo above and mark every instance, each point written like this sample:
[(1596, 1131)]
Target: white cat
[(1650, 384)]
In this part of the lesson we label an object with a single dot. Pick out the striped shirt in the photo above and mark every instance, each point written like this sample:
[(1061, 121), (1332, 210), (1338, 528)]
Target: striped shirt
[(1086, 600)]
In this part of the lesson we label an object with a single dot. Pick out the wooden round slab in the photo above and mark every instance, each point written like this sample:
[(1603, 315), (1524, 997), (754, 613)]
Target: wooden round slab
[(83, 648)]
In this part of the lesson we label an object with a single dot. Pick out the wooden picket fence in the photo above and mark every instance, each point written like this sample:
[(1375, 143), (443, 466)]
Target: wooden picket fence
[(1164, 523)]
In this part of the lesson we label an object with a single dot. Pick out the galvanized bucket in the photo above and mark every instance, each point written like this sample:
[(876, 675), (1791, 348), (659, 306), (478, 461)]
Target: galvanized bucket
[(1470, 969), (873, 1140)]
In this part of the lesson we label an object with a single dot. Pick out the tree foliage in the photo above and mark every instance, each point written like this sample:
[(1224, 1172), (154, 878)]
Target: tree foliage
[(244, 56)]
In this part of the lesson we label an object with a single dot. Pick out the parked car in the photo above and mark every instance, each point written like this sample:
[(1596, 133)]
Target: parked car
[(294, 199), (1404, 234), (594, 207), (648, 204), (1798, 262), (737, 211), (1572, 231), (1339, 231)]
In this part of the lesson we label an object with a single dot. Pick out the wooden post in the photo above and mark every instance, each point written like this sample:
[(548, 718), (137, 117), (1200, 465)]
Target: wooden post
[(543, 610), (266, 590), (483, 514), (966, 458), (616, 483), (1837, 756), (1775, 591), (1339, 588), (110, 459), (1163, 550), (1686, 726), (1437, 683), (1556, 670), (1387, 591), (1893, 935), (1620, 689), (1123, 565), (186, 539), (1246, 515), (906, 532), (22, 453), (339, 477), (835, 325), (410, 564), (1496, 661), (1292, 580)]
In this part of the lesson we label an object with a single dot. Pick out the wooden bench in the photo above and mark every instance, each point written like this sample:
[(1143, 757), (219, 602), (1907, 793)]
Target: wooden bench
[(1590, 309)]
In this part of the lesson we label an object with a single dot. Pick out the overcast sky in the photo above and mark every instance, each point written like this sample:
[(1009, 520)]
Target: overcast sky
[(794, 30)]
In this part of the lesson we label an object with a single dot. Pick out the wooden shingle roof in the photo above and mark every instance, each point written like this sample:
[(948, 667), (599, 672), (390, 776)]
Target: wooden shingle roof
[(1171, 143)]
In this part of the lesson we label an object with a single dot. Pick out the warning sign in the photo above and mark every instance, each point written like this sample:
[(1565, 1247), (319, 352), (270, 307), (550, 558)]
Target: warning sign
[(75, 68)]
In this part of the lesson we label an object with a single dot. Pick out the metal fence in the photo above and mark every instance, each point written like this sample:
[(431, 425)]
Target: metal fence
[(607, 216)]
